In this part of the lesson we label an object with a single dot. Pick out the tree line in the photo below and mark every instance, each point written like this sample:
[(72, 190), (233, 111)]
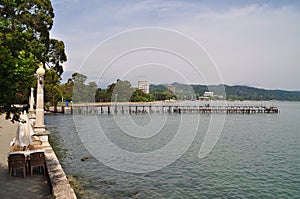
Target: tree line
[(77, 90)]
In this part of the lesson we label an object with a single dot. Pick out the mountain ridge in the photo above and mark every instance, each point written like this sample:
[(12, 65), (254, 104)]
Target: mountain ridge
[(235, 92)]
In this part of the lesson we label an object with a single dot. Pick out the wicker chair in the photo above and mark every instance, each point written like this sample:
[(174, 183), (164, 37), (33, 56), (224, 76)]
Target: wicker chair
[(37, 142), (17, 161), (37, 159)]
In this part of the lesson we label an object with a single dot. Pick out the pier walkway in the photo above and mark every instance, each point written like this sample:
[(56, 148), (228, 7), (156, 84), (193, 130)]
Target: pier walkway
[(148, 108)]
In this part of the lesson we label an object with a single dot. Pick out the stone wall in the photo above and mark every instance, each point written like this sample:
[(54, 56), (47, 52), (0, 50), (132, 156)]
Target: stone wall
[(59, 183)]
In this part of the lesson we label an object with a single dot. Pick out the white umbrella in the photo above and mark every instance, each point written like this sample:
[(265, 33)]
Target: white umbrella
[(24, 132), (29, 125)]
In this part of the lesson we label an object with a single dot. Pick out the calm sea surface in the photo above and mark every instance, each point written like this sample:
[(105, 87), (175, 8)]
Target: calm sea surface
[(256, 156)]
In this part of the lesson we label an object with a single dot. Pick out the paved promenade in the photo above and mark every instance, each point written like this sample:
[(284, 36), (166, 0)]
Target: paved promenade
[(16, 186)]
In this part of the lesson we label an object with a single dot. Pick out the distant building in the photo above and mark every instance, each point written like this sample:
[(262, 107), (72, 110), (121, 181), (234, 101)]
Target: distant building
[(201, 98), (144, 86), (208, 94), (171, 89)]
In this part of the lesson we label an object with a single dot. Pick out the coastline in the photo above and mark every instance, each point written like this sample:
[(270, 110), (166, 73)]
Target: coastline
[(58, 181), (174, 102), (76, 184)]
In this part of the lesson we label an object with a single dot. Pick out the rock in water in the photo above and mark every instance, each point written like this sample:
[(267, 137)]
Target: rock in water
[(86, 158)]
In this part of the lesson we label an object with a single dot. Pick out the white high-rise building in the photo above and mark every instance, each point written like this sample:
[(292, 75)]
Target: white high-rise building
[(144, 86)]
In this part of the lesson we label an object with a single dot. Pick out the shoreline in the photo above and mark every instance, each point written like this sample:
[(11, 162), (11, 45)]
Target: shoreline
[(60, 185), (173, 102), (73, 180)]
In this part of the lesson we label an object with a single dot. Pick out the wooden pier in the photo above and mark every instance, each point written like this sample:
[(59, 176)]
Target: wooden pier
[(140, 109)]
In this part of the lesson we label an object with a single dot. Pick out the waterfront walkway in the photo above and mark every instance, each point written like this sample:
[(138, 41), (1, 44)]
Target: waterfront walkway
[(16, 186)]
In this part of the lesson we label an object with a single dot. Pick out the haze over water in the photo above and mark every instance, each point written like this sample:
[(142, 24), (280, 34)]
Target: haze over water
[(257, 155)]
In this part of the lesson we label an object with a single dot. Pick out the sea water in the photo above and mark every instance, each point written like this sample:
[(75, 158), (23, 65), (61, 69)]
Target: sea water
[(256, 155)]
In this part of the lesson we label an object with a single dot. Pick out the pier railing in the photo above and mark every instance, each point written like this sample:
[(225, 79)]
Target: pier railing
[(140, 109)]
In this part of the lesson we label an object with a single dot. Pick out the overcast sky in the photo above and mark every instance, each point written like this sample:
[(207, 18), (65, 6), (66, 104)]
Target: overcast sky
[(255, 43)]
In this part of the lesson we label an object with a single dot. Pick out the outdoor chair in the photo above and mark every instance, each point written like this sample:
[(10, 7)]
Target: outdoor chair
[(37, 159), (17, 161), (37, 142)]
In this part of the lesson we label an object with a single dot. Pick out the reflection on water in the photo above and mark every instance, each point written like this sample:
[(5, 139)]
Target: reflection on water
[(257, 155)]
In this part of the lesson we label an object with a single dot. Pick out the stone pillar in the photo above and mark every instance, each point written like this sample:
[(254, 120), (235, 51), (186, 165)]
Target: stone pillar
[(31, 104), (39, 127)]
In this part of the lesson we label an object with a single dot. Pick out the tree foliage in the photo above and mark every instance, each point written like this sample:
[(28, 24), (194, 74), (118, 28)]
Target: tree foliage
[(53, 91), (102, 95), (139, 96), (56, 55), (67, 90), (82, 92), (25, 42), (121, 91)]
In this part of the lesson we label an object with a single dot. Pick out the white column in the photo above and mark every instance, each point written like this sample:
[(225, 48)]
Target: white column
[(39, 112), (31, 104)]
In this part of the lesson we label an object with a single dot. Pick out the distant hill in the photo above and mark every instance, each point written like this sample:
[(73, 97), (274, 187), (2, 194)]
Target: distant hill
[(184, 91), (251, 93)]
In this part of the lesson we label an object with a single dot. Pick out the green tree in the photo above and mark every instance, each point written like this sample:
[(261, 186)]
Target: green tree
[(102, 95), (91, 89), (160, 96), (24, 42), (78, 94), (81, 91), (139, 96), (17, 75), (110, 90), (53, 92), (67, 90), (122, 91), (56, 55)]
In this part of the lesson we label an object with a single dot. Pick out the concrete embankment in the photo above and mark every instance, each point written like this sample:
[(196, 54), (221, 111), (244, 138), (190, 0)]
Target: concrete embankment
[(60, 185)]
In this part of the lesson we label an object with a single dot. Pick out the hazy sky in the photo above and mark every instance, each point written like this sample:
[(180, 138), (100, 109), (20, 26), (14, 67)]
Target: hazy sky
[(255, 43)]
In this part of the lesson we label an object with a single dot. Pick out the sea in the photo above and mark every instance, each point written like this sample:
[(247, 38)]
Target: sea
[(188, 155)]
